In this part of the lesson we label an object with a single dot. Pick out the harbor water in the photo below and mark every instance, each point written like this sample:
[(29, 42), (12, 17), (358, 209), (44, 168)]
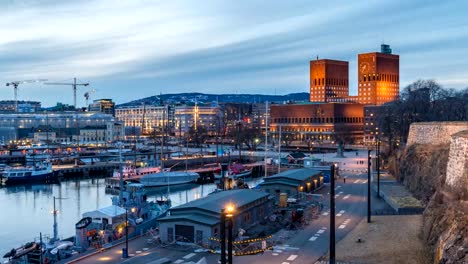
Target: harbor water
[(26, 210)]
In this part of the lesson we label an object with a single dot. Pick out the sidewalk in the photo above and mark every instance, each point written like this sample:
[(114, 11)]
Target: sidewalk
[(136, 246)]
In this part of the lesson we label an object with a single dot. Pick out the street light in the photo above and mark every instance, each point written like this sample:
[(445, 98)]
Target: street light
[(125, 252), (378, 168), (332, 214), (229, 214), (368, 186)]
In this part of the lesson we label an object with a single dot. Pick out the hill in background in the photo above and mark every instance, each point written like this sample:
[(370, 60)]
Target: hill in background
[(222, 98)]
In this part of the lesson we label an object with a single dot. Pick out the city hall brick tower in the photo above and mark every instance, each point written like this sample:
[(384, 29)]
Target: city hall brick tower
[(378, 77), (328, 79)]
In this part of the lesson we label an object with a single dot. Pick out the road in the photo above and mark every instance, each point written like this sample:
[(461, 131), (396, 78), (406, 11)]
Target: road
[(313, 241), (308, 244)]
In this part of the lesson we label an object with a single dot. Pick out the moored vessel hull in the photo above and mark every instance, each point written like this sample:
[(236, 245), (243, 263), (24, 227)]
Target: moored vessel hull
[(29, 179), (169, 178)]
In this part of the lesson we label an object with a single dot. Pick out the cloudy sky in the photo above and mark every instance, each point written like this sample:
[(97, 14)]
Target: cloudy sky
[(137, 48)]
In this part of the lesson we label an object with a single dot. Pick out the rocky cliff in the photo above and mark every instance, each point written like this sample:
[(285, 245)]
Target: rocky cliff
[(423, 169)]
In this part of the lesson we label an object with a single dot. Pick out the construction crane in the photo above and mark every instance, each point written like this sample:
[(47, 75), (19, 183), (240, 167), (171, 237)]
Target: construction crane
[(74, 84), (15, 88), (88, 94)]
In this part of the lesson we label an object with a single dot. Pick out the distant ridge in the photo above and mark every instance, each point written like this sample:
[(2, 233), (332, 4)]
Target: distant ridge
[(222, 98)]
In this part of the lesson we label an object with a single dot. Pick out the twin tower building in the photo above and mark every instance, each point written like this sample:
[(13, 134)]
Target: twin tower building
[(378, 79), (332, 115)]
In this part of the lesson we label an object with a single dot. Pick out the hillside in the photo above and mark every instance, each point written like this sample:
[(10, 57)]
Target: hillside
[(225, 98)]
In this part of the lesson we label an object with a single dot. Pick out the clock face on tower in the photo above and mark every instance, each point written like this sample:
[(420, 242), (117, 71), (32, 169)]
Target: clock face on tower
[(364, 67)]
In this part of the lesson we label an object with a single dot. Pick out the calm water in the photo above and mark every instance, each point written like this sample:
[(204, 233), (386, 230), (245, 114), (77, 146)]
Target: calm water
[(26, 210)]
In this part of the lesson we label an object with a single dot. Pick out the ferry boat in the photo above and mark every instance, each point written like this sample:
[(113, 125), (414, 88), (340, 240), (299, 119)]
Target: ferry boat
[(132, 172), (169, 178), (39, 172)]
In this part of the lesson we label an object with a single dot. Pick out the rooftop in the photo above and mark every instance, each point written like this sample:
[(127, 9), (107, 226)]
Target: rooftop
[(297, 174), (215, 202)]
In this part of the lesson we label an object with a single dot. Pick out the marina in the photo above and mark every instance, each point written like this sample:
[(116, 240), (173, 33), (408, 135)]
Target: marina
[(23, 203)]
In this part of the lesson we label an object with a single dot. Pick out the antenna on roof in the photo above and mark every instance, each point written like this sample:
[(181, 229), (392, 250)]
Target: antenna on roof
[(317, 57)]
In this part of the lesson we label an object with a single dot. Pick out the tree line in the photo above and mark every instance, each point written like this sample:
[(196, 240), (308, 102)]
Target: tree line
[(421, 101)]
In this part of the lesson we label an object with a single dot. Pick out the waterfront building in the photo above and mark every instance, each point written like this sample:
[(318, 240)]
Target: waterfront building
[(115, 131), (187, 117), (292, 182), (317, 122), (145, 119), (9, 106), (105, 106), (249, 115), (64, 123), (199, 220), (93, 134), (44, 136)]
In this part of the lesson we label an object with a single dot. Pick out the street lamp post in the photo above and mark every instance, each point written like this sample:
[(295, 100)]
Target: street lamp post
[(222, 232), (125, 253), (368, 186), (378, 168), (229, 215), (332, 214)]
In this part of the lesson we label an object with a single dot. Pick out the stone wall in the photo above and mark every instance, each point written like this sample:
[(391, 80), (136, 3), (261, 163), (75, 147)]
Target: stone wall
[(434, 133), (457, 165)]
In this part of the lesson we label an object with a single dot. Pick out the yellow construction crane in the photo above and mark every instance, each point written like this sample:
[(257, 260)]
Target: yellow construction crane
[(15, 88), (73, 84)]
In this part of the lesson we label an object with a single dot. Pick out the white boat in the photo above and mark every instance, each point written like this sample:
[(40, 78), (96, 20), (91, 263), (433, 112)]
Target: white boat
[(131, 172), (41, 171), (61, 245), (169, 178)]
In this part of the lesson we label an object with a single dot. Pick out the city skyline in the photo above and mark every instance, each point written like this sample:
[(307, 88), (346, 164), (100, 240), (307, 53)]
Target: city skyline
[(251, 47)]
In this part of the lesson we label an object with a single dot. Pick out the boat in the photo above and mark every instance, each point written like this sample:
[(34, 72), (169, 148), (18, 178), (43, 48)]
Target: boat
[(132, 172), (169, 178), (84, 222), (36, 157), (60, 245), (41, 171), (15, 253), (236, 171)]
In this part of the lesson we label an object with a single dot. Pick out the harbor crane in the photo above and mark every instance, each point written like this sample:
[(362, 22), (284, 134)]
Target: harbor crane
[(88, 94), (74, 84), (15, 88)]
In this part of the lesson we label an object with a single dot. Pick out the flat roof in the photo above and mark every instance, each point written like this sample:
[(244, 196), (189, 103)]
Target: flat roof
[(281, 182), (296, 174), (197, 218), (216, 201)]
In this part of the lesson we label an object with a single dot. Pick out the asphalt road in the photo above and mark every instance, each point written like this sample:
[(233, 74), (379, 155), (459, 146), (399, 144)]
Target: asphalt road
[(308, 244)]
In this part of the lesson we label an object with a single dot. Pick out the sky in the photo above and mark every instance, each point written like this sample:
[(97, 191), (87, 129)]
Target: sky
[(130, 49)]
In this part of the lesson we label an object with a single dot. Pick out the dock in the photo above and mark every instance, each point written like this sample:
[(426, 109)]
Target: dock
[(96, 170)]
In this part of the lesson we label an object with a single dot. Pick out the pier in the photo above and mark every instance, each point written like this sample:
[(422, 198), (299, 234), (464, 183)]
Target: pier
[(97, 170)]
